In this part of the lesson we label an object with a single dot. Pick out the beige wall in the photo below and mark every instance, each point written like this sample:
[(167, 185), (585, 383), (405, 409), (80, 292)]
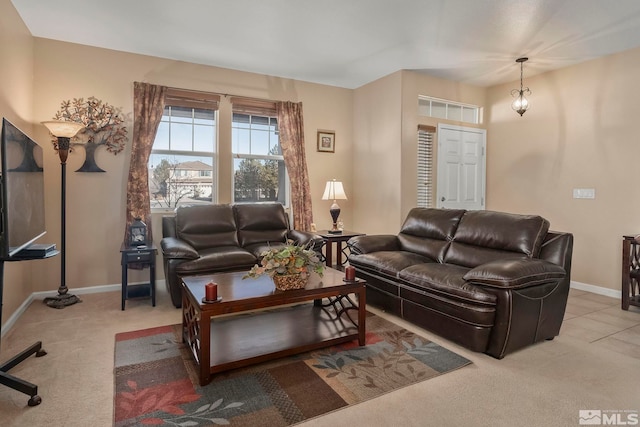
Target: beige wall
[(413, 85), (580, 132), (377, 155), (385, 143), (16, 101), (96, 201)]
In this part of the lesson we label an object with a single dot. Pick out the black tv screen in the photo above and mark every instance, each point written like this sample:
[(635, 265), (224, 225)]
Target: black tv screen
[(22, 198)]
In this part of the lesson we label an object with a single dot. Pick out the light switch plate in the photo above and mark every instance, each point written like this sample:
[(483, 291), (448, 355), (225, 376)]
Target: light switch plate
[(584, 193)]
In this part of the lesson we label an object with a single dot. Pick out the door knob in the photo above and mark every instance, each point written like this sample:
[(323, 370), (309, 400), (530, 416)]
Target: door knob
[(443, 199)]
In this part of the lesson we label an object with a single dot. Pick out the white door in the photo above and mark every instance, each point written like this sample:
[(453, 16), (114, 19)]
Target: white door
[(461, 167)]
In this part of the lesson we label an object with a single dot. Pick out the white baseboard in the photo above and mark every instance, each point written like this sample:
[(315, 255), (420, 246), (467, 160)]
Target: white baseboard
[(596, 289), (76, 291)]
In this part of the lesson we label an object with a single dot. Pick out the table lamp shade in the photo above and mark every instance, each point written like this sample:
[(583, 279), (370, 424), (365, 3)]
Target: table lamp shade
[(334, 191)]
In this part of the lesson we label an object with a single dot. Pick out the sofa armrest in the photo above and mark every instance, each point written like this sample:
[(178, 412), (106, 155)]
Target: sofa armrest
[(374, 243), (515, 273), (175, 248), (306, 239)]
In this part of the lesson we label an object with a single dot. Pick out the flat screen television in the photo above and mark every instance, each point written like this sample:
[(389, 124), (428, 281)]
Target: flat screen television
[(22, 190)]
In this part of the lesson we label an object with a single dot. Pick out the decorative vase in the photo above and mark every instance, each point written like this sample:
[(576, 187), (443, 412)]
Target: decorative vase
[(286, 282)]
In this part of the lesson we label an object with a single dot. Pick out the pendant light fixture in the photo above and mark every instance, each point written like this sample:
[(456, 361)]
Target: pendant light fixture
[(520, 104)]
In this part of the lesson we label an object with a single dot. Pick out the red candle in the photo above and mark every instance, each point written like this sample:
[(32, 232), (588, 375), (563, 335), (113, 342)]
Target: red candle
[(350, 273), (211, 291)]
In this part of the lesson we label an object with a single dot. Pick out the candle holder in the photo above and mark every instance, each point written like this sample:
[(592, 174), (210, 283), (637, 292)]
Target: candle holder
[(211, 293), (349, 274)]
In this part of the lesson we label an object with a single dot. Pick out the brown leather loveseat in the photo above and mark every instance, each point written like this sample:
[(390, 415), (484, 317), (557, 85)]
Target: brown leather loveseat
[(493, 282), (205, 239)]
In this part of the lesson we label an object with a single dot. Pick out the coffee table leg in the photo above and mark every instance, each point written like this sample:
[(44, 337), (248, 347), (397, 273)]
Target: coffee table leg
[(362, 316), (205, 349)]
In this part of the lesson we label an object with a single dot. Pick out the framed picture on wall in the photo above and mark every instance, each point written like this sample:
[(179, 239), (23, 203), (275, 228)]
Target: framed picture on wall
[(326, 141)]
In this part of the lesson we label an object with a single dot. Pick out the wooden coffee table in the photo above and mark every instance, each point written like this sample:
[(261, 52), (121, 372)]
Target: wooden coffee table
[(219, 343)]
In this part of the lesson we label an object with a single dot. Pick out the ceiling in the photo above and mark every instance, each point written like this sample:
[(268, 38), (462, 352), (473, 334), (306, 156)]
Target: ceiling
[(349, 43)]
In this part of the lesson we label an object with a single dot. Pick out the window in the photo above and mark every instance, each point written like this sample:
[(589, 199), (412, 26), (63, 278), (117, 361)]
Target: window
[(183, 158), (450, 110), (259, 174), (425, 166)]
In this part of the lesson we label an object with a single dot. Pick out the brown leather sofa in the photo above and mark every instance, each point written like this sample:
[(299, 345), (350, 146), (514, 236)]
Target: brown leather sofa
[(205, 239), (493, 282)]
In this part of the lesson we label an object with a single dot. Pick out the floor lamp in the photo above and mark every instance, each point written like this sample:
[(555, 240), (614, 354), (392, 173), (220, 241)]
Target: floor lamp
[(64, 131)]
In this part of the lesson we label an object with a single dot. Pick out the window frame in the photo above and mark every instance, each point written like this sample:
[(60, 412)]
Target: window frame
[(194, 101), (449, 106), (252, 109)]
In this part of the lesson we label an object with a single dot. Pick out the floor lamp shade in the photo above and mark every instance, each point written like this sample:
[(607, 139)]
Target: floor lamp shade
[(64, 131), (334, 190)]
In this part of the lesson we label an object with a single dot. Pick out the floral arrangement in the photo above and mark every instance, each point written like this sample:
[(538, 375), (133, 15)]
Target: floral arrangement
[(290, 259)]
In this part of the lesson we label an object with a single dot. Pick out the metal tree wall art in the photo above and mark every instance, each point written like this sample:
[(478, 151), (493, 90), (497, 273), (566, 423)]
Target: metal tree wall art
[(103, 127)]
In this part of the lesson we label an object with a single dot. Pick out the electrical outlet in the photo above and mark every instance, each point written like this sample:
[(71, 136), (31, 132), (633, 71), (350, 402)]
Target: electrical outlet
[(584, 193)]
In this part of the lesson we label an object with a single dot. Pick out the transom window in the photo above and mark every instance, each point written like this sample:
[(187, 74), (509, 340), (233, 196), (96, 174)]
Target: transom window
[(450, 110), (259, 174), (182, 161)]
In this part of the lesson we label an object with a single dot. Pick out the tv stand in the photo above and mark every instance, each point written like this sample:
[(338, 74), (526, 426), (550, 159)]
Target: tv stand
[(20, 384), (6, 378)]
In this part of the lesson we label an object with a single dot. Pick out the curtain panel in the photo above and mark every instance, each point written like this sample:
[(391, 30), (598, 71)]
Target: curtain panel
[(291, 135), (148, 106)]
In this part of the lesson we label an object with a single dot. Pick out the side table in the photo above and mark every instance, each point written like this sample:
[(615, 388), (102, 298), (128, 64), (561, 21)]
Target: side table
[(144, 256), (338, 239), (630, 272)]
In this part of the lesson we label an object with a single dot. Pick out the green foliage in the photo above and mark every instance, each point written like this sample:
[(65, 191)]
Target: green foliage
[(290, 259), (257, 180)]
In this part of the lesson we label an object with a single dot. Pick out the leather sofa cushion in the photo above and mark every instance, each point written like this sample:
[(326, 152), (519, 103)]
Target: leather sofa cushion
[(218, 258), (258, 248), (428, 231), (387, 263), (445, 279), (376, 243), (484, 236), (177, 249), (515, 273), (206, 226), (440, 288), (261, 222)]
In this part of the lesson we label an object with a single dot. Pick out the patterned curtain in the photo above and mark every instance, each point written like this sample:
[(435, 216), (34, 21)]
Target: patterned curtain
[(291, 136), (148, 106)]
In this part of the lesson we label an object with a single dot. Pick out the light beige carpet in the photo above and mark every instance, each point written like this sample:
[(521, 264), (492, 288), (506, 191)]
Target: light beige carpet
[(593, 364)]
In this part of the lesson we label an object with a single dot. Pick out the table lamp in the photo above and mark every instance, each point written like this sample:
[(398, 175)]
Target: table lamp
[(334, 191)]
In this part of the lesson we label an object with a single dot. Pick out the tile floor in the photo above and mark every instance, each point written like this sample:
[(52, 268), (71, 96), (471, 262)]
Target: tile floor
[(599, 320)]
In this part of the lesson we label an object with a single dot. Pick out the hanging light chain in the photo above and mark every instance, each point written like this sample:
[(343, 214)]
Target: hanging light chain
[(520, 104)]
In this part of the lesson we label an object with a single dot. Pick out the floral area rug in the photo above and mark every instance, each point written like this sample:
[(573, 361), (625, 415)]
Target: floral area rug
[(156, 381)]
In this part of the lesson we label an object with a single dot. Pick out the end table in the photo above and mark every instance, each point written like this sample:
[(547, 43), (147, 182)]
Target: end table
[(338, 239), (144, 256)]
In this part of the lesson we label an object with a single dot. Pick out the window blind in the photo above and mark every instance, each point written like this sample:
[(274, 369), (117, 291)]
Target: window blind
[(425, 166), (253, 106), (191, 99)]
